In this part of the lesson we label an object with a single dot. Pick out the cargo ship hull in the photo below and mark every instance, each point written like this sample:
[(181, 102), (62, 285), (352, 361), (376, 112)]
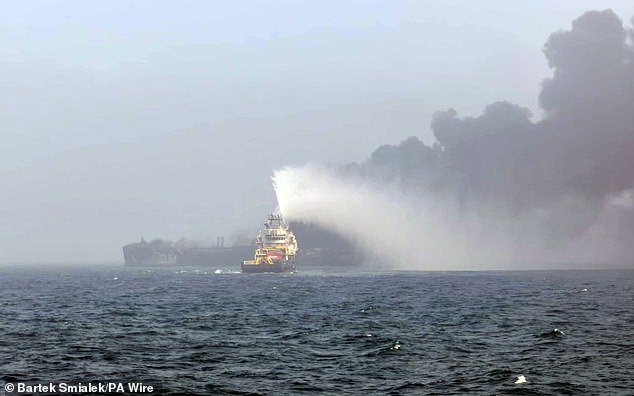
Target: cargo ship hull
[(162, 254)]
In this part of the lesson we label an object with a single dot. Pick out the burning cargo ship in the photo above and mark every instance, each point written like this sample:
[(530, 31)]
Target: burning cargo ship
[(160, 253), (275, 248)]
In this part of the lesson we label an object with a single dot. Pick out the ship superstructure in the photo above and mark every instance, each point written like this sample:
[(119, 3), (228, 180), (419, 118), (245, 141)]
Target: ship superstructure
[(275, 248)]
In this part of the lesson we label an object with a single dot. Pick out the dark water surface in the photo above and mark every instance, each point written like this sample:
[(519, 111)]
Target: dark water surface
[(188, 331)]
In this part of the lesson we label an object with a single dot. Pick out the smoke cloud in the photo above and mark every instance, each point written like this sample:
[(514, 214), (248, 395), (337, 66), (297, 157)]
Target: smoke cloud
[(500, 190)]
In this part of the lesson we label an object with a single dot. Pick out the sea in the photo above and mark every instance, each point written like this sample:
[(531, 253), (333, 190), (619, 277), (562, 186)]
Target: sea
[(214, 331)]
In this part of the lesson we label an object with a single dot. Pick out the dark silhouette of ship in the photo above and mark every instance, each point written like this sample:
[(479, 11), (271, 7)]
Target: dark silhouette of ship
[(160, 253), (319, 248)]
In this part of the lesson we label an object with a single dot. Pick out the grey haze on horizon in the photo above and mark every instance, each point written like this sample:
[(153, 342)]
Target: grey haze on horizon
[(166, 120)]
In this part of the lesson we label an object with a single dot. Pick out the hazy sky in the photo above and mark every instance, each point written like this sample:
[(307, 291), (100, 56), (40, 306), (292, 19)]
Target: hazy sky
[(168, 118)]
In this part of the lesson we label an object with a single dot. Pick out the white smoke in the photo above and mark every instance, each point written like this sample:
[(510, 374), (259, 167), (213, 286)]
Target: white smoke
[(424, 233), (623, 200), (608, 239), (399, 231)]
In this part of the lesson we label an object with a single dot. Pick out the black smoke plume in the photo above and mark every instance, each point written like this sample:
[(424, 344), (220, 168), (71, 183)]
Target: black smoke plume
[(582, 151), (563, 183)]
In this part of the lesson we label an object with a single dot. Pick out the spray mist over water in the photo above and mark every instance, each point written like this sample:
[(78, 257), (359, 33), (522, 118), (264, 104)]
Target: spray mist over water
[(407, 232), (386, 225)]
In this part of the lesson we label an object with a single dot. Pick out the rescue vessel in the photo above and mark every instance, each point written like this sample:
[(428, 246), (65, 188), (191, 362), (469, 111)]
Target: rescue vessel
[(275, 248)]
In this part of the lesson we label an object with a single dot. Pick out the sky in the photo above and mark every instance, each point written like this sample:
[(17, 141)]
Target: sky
[(167, 119)]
